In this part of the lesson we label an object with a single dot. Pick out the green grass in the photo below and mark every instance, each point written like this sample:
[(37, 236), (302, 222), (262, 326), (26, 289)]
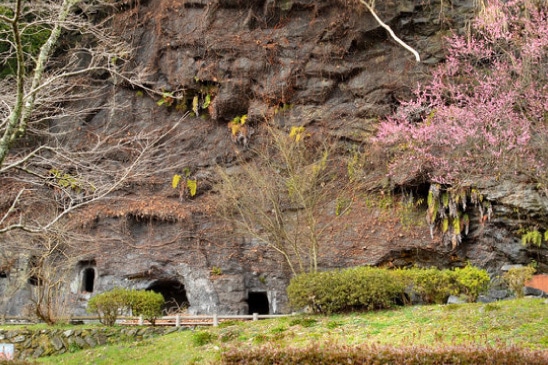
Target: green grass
[(522, 322)]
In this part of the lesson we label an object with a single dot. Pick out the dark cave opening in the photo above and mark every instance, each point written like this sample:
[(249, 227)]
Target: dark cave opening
[(88, 274), (258, 303), (88, 280), (174, 294), (34, 267)]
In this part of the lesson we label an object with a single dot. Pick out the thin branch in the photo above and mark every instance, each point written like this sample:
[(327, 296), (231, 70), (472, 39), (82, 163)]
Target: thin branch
[(5, 19), (61, 76), (392, 34), (24, 159), (12, 207), (72, 207)]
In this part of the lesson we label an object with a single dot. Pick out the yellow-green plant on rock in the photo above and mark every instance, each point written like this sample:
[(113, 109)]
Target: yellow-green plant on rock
[(167, 99), (65, 180), (236, 124), (534, 238), (204, 95), (297, 133), (189, 186)]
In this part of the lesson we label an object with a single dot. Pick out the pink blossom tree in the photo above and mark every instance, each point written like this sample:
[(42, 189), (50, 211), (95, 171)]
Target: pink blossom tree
[(484, 114)]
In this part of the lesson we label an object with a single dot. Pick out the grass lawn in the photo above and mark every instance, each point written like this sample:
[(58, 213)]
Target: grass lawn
[(522, 322)]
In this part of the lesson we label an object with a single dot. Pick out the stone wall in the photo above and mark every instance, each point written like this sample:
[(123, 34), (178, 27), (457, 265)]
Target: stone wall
[(47, 342)]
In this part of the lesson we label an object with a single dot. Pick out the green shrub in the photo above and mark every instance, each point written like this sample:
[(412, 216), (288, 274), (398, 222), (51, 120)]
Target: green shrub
[(201, 338), (361, 288), (109, 305), (435, 286), (431, 285), (369, 288), (304, 322), (516, 278), (302, 288), (472, 281), (147, 304), (372, 288)]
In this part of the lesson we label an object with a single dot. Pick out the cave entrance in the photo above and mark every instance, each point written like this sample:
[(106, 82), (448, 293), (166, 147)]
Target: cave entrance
[(174, 294), (88, 274), (88, 280), (257, 302), (34, 268)]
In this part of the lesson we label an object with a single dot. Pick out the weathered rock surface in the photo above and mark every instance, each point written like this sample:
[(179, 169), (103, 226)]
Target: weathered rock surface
[(325, 65)]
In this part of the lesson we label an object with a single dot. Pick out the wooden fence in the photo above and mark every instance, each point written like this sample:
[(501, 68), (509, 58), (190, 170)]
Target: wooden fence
[(176, 320)]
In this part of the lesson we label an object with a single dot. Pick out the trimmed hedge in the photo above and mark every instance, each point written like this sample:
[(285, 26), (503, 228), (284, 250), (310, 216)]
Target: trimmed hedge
[(109, 305), (380, 354), (147, 304), (430, 285), (361, 288), (370, 288)]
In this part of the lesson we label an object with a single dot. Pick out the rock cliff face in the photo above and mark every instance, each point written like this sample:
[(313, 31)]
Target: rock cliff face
[(326, 65)]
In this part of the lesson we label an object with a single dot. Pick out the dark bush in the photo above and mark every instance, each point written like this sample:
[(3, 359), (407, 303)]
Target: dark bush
[(378, 354)]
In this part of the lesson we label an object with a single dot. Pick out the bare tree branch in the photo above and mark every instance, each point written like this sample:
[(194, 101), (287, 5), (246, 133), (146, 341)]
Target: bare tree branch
[(277, 198), (370, 6)]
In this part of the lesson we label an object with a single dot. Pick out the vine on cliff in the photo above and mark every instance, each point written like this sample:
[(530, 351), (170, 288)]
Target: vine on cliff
[(447, 208)]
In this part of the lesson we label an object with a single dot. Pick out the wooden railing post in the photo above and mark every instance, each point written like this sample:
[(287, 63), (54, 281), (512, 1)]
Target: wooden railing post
[(179, 319)]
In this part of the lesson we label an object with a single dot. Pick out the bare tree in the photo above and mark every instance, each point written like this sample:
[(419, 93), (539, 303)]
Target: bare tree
[(49, 264), (279, 198), (41, 197), (45, 265), (52, 90), (65, 142), (34, 89)]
